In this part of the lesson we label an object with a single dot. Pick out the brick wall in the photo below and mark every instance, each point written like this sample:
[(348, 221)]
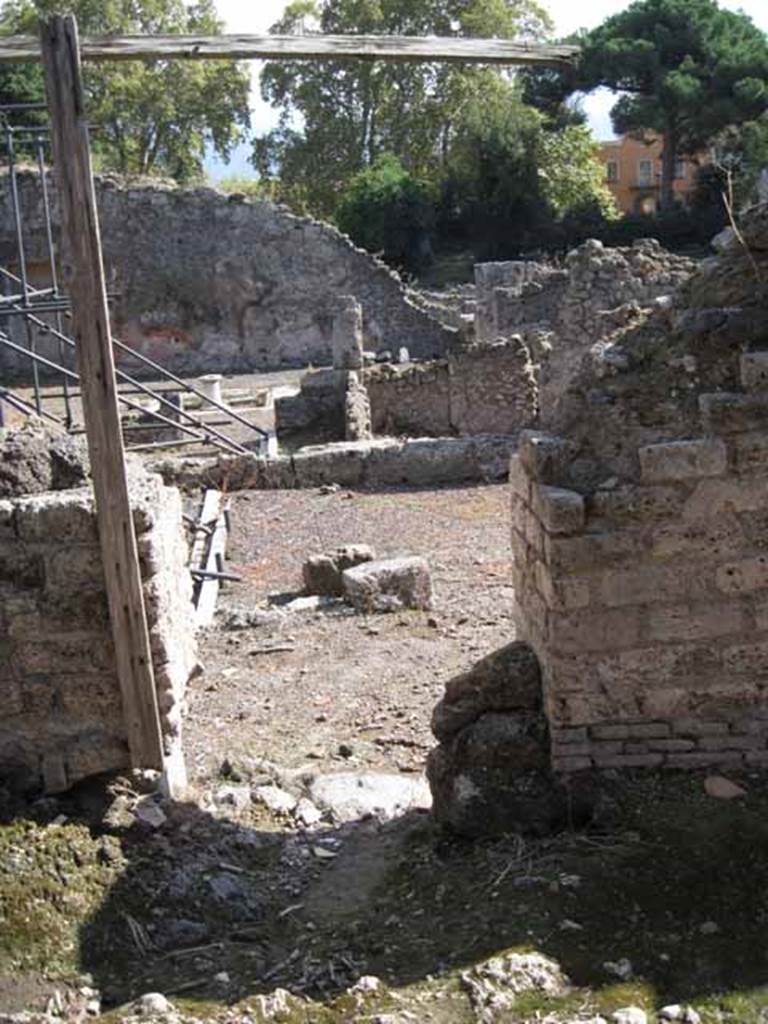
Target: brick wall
[(646, 599), (62, 717)]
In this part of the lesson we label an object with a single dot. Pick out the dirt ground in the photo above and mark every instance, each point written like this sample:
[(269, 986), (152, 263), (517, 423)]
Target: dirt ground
[(298, 689)]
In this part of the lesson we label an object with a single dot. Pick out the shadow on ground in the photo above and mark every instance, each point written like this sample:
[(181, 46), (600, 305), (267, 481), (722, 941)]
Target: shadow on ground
[(212, 909)]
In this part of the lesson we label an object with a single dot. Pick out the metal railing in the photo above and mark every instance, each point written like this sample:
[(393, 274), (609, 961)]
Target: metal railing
[(32, 305)]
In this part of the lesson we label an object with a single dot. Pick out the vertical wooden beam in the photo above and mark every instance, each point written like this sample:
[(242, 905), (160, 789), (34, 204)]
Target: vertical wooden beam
[(84, 276)]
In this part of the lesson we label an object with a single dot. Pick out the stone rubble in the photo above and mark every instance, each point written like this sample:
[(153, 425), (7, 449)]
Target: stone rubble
[(389, 585), (323, 573)]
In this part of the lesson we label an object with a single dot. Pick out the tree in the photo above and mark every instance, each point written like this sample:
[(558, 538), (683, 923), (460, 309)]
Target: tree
[(686, 70), (154, 116), (337, 118), (386, 209)]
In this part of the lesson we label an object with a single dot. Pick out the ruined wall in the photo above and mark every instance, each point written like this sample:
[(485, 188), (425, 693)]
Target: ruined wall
[(208, 282), (62, 717), (640, 533), (487, 389)]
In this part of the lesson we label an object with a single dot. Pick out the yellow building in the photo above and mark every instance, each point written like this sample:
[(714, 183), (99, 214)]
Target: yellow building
[(633, 173)]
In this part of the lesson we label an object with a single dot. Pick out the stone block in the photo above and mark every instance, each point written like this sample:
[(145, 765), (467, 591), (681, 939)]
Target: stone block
[(610, 732), (323, 573), (695, 621), (628, 760), (705, 540), (683, 460), (628, 506), (58, 517), (545, 458), (561, 511), (730, 742), (519, 480), (744, 576), (699, 727), (649, 730), (589, 630), (564, 593), (73, 568), (715, 498), (592, 551), (754, 371), (389, 584), (702, 759), (671, 746), (724, 413), (650, 583)]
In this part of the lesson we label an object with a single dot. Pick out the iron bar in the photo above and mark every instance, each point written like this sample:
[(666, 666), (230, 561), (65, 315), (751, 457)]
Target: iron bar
[(226, 442), (26, 407), (208, 574), (15, 203), (52, 265), (204, 438), (149, 446)]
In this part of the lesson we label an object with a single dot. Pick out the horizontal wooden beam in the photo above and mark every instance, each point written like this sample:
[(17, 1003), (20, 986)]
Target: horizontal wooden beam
[(17, 49)]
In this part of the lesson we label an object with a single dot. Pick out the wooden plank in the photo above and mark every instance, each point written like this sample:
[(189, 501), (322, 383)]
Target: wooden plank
[(205, 546), (84, 275), (14, 49)]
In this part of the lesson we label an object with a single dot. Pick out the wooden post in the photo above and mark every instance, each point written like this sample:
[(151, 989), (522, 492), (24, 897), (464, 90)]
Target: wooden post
[(84, 276)]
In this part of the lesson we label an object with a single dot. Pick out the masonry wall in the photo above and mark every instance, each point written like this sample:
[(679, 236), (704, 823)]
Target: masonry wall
[(640, 534), (208, 282), (62, 715), (486, 389)]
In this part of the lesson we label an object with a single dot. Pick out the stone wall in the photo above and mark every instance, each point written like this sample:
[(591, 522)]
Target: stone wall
[(62, 717), (486, 389), (639, 533), (560, 312), (208, 282)]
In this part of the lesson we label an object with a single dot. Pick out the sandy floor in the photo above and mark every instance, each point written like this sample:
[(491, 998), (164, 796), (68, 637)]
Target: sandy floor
[(301, 688)]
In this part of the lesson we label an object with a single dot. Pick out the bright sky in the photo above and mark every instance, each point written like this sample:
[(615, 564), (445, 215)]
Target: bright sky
[(241, 16)]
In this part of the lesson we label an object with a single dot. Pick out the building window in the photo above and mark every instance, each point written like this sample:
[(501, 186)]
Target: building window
[(645, 172), (612, 171), (680, 168)]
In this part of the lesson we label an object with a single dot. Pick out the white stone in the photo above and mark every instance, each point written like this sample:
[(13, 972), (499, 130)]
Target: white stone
[(347, 796), (307, 813), (722, 788), (152, 1003), (276, 799), (629, 1015)]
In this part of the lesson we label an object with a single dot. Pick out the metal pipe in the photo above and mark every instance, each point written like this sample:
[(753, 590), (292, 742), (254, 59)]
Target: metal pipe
[(204, 438), (26, 407), (20, 248), (207, 574), (39, 145)]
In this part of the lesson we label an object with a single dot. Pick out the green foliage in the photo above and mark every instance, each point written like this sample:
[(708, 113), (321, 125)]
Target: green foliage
[(387, 209), (572, 177), (352, 112), (686, 68), (153, 117)]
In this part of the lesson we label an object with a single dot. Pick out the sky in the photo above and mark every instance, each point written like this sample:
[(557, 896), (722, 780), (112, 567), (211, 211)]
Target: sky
[(256, 17)]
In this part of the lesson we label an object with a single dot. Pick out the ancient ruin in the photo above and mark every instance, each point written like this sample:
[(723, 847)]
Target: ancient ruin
[(487, 563)]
